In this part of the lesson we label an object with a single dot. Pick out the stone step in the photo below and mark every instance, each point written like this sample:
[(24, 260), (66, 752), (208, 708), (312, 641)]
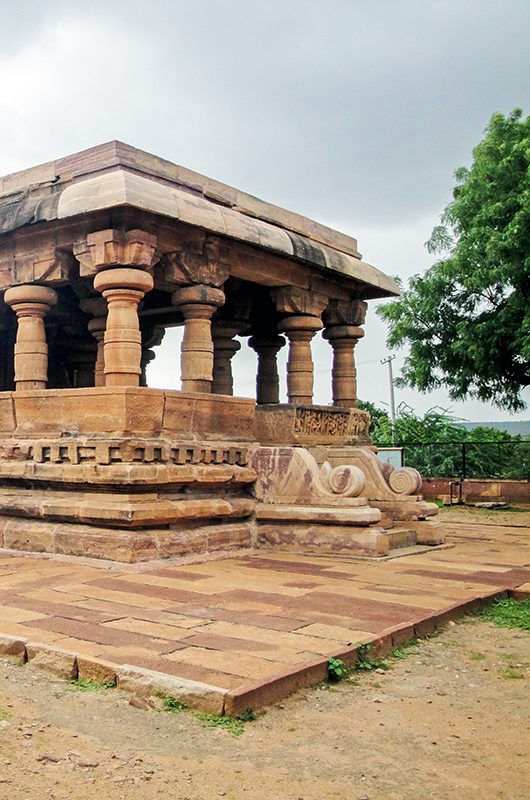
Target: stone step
[(401, 537)]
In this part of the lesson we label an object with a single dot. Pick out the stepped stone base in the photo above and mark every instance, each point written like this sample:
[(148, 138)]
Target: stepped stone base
[(124, 545)]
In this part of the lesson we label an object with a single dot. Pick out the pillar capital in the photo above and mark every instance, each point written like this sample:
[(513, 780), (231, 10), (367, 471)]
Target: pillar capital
[(30, 303), (102, 250), (199, 300)]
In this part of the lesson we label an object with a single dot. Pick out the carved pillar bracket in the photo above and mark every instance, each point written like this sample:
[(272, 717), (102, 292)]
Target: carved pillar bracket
[(31, 303), (303, 310), (343, 339), (197, 304), (123, 289), (342, 320), (98, 308), (267, 381), (116, 248), (224, 349)]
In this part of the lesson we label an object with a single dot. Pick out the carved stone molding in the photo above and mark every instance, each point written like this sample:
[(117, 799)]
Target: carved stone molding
[(123, 451)]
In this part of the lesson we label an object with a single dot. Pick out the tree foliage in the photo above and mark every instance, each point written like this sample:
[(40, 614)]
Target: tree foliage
[(433, 444), (467, 319)]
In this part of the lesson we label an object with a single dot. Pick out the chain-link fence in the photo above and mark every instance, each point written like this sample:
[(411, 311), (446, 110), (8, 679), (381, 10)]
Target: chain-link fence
[(498, 460)]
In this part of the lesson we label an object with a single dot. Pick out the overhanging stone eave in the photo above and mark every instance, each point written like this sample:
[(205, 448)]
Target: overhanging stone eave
[(124, 188), (118, 155)]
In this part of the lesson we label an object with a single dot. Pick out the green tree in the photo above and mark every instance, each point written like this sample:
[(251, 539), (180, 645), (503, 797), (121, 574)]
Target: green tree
[(467, 319), (433, 445)]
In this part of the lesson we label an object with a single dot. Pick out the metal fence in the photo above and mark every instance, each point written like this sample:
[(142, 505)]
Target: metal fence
[(498, 460)]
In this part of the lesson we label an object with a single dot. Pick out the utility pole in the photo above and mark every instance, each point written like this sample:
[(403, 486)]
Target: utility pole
[(392, 400)]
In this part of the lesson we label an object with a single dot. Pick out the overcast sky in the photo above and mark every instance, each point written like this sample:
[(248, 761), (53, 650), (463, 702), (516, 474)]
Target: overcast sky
[(353, 112)]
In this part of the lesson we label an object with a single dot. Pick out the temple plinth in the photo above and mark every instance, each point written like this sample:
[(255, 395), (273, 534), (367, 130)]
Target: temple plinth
[(100, 253)]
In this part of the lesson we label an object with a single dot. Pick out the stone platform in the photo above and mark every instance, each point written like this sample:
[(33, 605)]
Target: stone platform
[(230, 634)]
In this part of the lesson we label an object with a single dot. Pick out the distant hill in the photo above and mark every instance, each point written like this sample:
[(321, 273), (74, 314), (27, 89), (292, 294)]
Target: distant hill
[(513, 427)]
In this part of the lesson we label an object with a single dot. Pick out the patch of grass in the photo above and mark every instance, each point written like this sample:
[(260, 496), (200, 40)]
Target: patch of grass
[(4, 714), (508, 613), (87, 685), (477, 657), (364, 661), (234, 725), (511, 674)]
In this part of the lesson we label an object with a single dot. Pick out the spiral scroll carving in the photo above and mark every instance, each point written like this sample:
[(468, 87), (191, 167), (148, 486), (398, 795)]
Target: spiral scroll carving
[(405, 480), (348, 481)]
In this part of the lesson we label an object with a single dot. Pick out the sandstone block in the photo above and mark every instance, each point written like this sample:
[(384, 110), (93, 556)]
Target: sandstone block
[(95, 669), (13, 647), (53, 659), (147, 683)]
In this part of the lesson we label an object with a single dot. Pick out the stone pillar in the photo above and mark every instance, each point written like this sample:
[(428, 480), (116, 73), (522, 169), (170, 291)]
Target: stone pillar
[(302, 311), (120, 261), (267, 380), (97, 307), (197, 304), (81, 358), (30, 303), (123, 289), (343, 339), (342, 320), (224, 349), (300, 330), (152, 336)]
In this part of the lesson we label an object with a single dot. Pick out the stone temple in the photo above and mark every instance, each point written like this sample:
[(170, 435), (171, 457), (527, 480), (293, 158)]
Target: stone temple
[(100, 252)]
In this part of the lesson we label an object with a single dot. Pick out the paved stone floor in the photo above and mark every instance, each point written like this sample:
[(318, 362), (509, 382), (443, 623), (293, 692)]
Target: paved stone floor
[(256, 621)]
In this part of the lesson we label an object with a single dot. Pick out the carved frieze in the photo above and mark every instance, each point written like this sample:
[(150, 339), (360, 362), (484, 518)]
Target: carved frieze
[(324, 422)]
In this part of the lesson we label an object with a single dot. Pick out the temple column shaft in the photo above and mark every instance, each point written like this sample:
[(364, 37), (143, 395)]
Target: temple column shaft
[(343, 339), (300, 331), (30, 303), (224, 349), (267, 380), (123, 289), (197, 304)]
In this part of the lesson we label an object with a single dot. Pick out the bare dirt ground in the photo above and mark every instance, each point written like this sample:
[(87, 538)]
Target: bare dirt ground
[(517, 516), (448, 721)]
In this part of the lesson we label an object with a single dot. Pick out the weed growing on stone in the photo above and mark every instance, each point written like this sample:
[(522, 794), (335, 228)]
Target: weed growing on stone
[(235, 725), (399, 653), (4, 714), (87, 685), (173, 705), (337, 670), (508, 613), (365, 663)]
